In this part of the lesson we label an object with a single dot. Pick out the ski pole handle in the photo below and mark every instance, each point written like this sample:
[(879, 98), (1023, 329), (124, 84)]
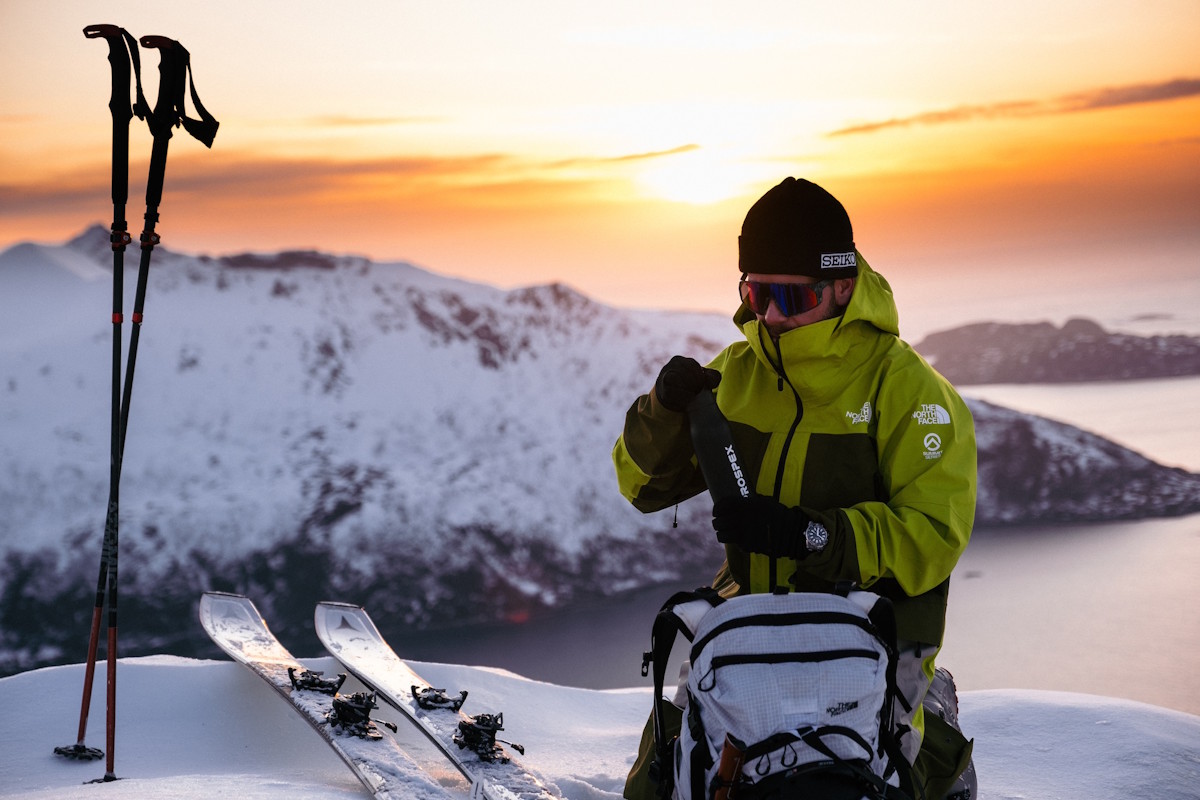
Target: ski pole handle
[(713, 442), (174, 71), (120, 45), (171, 75), (118, 57)]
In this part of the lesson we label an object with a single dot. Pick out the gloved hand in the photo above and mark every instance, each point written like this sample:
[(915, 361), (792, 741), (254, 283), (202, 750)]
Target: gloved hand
[(682, 379), (760, 524)]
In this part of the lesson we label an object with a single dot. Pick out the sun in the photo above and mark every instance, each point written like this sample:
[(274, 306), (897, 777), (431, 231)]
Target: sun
[(698, 176)]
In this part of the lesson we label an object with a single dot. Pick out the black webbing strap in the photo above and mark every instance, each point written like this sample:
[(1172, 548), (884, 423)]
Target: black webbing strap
[(667, 624), (883, 617)]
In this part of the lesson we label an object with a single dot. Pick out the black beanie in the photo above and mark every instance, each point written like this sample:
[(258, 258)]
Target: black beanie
[(798, 228)]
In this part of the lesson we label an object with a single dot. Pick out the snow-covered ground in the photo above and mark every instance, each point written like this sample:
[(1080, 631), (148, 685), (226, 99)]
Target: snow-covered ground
[(199, 729)]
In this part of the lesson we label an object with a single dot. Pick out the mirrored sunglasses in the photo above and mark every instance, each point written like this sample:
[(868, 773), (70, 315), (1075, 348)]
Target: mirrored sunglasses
[(790, 298)]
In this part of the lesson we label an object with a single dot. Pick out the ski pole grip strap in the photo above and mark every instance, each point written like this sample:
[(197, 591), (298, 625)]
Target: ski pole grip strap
[(204, 129), (174, 71)]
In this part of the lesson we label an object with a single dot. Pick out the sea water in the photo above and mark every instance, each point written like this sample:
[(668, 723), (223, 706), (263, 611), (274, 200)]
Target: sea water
[(1156, 418)]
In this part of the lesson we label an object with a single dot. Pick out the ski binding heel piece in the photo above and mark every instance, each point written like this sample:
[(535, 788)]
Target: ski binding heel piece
[(478, 734), (431, 699), (315, 681), (352, 714)]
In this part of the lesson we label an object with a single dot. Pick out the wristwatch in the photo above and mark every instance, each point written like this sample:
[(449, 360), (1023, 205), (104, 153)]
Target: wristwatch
[(815, 537)]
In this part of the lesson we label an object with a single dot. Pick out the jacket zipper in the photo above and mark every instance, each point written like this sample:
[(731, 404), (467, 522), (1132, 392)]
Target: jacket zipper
[(773, 570)]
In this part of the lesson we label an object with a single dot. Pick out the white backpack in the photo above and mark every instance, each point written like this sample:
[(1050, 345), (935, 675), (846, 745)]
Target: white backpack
[(788, 695)]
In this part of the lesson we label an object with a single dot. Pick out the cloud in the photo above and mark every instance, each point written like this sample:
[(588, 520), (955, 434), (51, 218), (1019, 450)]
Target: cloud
[(245, 174), (473, 177), (1132, 95), (346, 121), (600, 160), (1092, 100)]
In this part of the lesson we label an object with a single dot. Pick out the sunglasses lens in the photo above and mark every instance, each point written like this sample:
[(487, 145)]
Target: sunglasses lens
[(790, 298)]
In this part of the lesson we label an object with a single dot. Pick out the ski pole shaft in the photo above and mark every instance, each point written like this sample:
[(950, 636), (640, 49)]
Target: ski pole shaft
[(124, 61), (111, 696)]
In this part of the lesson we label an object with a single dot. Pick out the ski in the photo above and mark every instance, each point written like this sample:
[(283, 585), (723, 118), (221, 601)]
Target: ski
[(381, 761), (350, 635)]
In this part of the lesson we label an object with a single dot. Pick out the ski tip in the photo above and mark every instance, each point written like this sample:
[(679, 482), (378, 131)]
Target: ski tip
[(339, 604), (210, 602), (228, 595)]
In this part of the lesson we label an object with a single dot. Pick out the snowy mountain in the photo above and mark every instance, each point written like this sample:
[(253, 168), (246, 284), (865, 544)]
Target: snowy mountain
[(306, 426), (200, 729), (1081, 350)]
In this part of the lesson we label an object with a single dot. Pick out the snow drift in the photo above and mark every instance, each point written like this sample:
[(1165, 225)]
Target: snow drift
[(198, 729)]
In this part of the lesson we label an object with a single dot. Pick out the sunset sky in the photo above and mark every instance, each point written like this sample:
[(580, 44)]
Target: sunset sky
[(616, 146)]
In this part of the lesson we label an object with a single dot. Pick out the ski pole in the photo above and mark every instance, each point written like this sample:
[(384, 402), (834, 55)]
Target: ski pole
[(122, 51), (174, 71)]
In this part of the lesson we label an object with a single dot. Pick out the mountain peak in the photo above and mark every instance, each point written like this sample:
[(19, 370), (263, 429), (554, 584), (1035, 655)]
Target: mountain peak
[(89, 237)]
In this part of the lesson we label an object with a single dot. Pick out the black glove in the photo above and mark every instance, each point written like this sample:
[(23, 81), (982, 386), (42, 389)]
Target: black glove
[(682, 379), (760, 524)]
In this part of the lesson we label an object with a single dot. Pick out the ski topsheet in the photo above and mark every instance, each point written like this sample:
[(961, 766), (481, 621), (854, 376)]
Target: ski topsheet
[(351, 637), (378, 758)]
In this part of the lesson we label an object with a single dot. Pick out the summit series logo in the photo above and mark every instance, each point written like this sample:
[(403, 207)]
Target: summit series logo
[(933, 446)]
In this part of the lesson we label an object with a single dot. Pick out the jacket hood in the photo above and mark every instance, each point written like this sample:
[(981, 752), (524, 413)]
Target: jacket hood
[(873, 301), (833, 345)]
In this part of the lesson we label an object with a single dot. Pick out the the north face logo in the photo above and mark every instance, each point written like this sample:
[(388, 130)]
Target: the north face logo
[(841, 708), (931, 414), (860, 416)]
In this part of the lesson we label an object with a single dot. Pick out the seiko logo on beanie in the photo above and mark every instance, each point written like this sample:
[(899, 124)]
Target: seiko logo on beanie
[(798, 228), (838, 260)]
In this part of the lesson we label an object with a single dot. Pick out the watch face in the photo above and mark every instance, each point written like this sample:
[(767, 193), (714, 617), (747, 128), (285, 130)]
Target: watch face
[(816, 537)]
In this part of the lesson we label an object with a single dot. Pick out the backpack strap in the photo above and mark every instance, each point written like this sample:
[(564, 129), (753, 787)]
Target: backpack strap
[(883, 617), (667, 624)]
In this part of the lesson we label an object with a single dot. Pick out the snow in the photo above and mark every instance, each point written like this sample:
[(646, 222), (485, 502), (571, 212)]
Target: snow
[(198, 729), (255, 385)]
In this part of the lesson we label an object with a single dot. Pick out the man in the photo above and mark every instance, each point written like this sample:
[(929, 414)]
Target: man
[(862, 457)]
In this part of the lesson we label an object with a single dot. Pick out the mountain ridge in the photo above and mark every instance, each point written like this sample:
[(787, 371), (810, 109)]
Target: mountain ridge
[(437, 448), (1039, 352)]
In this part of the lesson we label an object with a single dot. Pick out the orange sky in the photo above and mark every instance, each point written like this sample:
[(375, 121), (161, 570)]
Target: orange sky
[(618, 148)]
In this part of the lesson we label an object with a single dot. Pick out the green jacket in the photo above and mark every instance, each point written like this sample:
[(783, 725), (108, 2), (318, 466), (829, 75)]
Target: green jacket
[(848, 422)]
